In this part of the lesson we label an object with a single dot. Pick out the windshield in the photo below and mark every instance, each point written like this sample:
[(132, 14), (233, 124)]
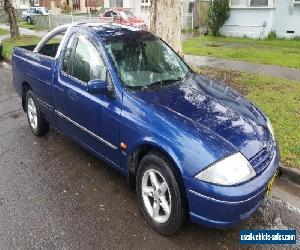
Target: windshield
[(146, 62), (128, 14), (43, 10)]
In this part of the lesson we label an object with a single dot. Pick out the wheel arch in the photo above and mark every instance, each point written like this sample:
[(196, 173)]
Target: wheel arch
[(140, 150), (25, 87)]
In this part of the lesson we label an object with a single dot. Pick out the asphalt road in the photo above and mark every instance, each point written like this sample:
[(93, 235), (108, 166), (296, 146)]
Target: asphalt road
[(54, 194)]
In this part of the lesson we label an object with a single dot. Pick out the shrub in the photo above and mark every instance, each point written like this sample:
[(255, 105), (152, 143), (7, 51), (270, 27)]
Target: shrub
[(218, 14), (296, 38), (272, 35), (65, 8)]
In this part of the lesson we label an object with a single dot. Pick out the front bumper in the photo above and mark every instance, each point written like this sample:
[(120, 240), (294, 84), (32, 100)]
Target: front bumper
[(219, 206)]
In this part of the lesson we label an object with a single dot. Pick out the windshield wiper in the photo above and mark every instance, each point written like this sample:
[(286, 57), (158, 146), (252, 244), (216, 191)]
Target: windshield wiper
[(161, 83)]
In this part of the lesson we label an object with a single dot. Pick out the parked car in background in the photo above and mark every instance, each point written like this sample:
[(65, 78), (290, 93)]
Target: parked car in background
[(124, 16), (28, 14), (190, 146)]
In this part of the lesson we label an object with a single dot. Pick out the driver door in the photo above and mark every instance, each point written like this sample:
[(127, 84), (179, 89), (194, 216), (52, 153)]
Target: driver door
[(92, 119)]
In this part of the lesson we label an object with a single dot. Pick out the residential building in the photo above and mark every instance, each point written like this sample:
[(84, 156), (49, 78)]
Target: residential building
[(257, 18), (76, 5), (18, 4)]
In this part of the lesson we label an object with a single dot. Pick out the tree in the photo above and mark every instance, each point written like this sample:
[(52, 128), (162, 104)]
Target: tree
[(218, 14), (31, 3), (12, 19), (166, 22)]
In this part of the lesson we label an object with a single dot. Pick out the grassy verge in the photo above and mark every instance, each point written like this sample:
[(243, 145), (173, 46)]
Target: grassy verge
[(26, 25), (277, 51), (3, 32), (9, 44), (278, 98)]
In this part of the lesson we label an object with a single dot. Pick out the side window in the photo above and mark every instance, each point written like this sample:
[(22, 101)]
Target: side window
[(67, 55), (114, 14), (107, 14), (87, 63)]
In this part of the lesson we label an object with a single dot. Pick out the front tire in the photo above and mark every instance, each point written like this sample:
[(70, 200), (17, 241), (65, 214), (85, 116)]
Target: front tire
[(39, 126), (159, 194)]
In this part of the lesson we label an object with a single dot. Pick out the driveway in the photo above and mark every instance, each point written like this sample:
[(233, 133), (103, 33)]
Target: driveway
[(54, 194)]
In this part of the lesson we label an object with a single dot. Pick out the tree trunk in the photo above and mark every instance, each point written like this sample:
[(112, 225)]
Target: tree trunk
[(153, 16), (166, 22), (12, 19)]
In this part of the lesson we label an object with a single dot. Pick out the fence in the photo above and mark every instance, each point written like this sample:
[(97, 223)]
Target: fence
[(3, 16), (187, 20), (54, 20)]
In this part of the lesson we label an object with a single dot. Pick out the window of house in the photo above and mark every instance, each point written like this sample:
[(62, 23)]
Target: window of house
[(87, 63), (115, 3), (191, 7), (251, 3), (145, 3), (259, 3)]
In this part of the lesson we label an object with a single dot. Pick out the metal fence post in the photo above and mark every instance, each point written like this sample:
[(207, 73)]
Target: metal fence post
[(193, 11), (56, 20), (49, 21)]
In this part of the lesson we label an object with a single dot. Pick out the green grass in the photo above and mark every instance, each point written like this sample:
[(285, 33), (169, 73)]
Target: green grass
[(9, 44), (26, 25), (279, 99), (3, 32), (279, 52)]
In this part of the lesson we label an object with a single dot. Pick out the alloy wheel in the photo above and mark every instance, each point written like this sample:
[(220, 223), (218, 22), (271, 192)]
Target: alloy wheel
[(32, 113), (156, 196)]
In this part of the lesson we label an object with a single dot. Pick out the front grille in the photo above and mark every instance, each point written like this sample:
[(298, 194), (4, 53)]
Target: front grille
[(262, 160)]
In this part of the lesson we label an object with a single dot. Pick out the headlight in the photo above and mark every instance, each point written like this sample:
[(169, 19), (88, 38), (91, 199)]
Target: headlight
[(270, 127), (232, 170)]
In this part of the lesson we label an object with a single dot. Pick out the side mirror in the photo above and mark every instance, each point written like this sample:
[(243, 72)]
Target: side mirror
[(97, 86)]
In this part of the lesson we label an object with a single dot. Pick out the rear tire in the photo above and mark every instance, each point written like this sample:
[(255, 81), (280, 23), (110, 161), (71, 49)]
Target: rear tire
[(39, 126), (29, 20), (163, 203)]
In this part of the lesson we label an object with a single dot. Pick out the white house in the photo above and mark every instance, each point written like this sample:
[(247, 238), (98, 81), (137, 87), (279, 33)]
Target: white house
[(257, 18), (21, 4)]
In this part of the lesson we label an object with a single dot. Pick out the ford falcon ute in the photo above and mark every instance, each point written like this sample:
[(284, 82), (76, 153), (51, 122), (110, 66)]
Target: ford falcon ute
[(190, 146)]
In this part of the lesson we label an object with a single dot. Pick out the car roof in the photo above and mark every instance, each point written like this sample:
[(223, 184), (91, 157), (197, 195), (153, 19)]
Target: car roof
[(118, 9), (38, 7), (113, 31)]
